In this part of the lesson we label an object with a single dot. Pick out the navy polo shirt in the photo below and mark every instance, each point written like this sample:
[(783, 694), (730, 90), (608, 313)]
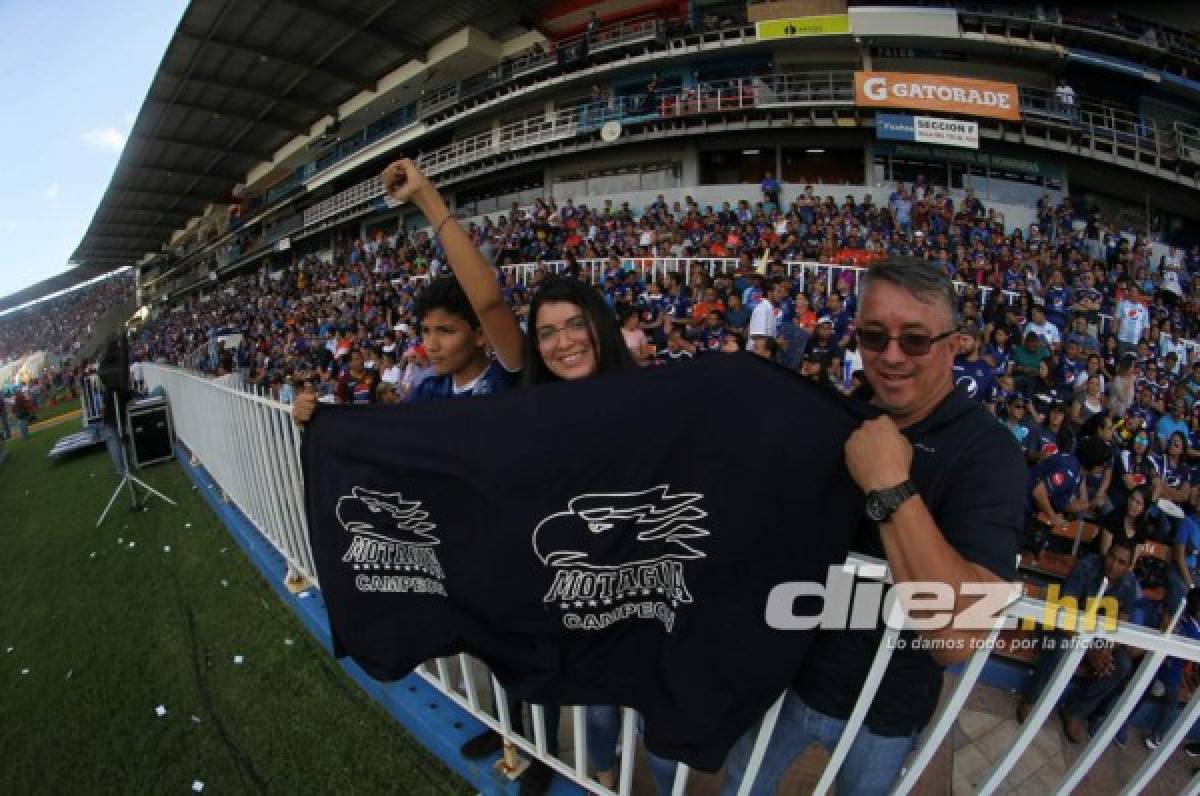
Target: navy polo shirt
[(970, 474)]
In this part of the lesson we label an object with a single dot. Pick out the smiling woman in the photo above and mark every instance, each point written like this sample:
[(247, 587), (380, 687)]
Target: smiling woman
[(573, 334)]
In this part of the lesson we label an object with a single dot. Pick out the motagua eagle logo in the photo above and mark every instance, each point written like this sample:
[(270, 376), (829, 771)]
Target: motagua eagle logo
[(392, 543), (621, 555)]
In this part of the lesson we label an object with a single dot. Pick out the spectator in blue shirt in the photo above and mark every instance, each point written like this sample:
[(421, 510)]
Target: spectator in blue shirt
[(770, 189), (1080, 335), (1184, 575), (1172, 673), (1110, 664), (1172, 423), (1056, 484), (457, 346), (793, 338), (973, 373)]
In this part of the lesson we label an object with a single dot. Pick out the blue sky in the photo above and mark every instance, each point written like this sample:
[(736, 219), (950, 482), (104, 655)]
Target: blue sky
[(73, 76)]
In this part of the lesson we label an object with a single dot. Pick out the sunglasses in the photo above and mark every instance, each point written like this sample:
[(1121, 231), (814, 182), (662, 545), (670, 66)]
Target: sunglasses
[(913, 344)]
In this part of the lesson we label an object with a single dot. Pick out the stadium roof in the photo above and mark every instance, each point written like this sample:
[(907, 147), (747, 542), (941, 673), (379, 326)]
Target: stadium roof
[(237, 82)]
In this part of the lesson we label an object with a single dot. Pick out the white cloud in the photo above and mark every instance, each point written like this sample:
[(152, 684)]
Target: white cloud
[(106, 137), (52, 192), (10, 226)]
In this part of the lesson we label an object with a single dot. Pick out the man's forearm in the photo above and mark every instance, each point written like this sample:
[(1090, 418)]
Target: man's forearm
[(918, 552)]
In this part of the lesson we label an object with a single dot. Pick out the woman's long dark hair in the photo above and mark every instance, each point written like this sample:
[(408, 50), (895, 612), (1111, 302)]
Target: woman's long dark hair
[(1141, 524), (611, 351)]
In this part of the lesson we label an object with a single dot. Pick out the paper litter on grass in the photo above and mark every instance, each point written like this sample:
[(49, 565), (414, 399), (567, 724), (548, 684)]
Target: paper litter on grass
[(239, 660), (166, 548), (131, 544), (24, 671), (197, 786), (288, 642), (187, 525), (160, 710)]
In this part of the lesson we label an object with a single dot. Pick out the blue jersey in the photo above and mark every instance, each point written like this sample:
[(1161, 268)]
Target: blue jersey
[(1176, 477), (977, 378), (1057, 302), (1061, 474), (1001, 356), (1069, 370), (494, 379)]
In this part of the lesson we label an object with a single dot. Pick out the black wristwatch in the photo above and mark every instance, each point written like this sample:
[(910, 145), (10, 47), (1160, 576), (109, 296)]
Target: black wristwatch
[(882, 503)]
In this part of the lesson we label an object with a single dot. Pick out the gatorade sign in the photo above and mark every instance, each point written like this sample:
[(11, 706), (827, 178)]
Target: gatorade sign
[(937, 93)]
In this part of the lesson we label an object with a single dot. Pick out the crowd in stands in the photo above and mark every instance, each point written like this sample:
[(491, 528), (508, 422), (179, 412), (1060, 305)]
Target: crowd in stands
[(307, 317), (61, 325), (57, 327)]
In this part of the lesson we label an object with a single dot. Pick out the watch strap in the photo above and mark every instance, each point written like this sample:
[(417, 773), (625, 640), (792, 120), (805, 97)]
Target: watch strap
[(893, 497)]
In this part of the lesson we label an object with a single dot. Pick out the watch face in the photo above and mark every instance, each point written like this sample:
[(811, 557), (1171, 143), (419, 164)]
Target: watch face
[(876, 510)]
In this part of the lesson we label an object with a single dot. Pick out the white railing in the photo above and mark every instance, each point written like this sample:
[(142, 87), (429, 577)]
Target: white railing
[(829, 276), (352, 197), (593, 270), (619, 34), (91, 399), (249, 446)]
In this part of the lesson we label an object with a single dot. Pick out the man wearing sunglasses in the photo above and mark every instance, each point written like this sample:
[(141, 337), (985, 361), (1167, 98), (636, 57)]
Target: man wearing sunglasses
[(945, 503)]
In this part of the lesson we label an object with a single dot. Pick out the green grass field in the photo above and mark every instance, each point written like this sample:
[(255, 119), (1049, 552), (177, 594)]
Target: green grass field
[(61, 408), (100, 627)]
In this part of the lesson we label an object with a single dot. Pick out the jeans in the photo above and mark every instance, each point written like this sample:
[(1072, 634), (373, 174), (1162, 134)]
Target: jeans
[(1089, 695), (872, 766), (1177, 590), (1171, 675), (603, 730), (23, 425)]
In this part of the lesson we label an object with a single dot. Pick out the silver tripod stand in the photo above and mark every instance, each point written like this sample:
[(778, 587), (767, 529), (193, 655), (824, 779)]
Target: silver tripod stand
[(128, 479)]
